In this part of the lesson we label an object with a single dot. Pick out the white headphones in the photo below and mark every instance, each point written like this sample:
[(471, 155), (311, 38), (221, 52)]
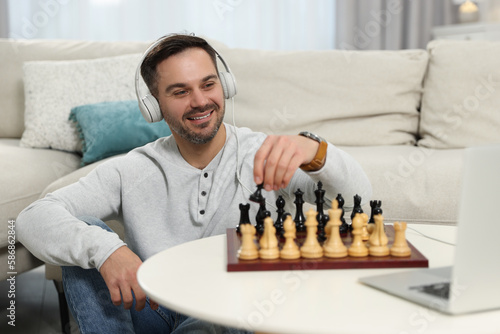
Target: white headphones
[(148, 104)]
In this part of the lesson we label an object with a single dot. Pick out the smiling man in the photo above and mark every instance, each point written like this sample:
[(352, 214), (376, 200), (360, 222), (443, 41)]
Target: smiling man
[(179, 188)]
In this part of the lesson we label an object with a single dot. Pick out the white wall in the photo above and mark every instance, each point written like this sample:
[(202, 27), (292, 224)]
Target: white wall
[(265, 24)]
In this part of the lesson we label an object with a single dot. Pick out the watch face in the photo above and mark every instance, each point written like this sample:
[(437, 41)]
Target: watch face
[(311, 135)]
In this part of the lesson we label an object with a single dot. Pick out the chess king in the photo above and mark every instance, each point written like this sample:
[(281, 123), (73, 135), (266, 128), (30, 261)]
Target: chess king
[(173, 190)]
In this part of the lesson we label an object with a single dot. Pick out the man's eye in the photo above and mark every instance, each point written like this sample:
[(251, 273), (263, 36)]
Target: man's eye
[(180, 93), (209, 84)]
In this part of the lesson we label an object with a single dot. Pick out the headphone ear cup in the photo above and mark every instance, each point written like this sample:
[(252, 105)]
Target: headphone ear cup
[(228, 84), (150, 109)]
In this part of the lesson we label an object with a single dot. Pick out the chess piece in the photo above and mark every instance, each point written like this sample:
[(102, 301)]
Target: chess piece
[(400, 247), (364, 232), (311, 249), (376, 209), (334, 247), (357, 206), (290, 249), (262, 213), (261, 216), (344, 228), (268, 242), (278, 224), (257, 195), (244, 216), (358, 248), (356, 209), (378, 238), (321, 218), (248, 249), (299, 213)]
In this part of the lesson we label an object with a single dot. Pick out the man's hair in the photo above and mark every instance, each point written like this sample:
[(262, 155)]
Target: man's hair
[(169, 46)]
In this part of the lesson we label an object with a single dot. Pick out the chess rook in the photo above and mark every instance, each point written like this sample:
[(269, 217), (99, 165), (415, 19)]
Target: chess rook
[(248, 249), (400, 247)]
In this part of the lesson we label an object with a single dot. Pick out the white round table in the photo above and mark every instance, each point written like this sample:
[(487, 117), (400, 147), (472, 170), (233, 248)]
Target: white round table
[(192, 279)]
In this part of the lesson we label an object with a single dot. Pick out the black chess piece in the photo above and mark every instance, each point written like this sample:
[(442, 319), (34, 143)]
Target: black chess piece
[(278, 224), (262, 214), (320, 217), (343, 228), (357, 206), (356, 209), (244, 215), (299, 213), (374, 205), (257, 195)]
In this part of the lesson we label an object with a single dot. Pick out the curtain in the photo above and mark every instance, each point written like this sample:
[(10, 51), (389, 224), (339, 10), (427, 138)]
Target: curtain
[(4, 19), (263, 24), (390, 24)]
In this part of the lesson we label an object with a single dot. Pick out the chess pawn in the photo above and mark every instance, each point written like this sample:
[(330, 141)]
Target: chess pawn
[(358, 248), (248, 249), (365, 235), (268, 242), (311, 249), (400, 247), (290, 249), (334, 247), (378, 238)]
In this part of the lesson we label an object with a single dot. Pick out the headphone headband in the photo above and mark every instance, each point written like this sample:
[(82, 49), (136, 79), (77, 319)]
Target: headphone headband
[(148, 104)]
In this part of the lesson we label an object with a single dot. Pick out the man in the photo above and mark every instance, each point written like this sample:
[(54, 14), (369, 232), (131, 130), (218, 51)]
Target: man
[(176, 189)]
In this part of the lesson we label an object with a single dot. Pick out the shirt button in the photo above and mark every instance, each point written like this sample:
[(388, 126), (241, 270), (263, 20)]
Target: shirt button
[(203, 193), (205, 175), (202, 212)]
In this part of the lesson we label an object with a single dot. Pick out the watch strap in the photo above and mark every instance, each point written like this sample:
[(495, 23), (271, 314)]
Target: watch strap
[(319, 159)]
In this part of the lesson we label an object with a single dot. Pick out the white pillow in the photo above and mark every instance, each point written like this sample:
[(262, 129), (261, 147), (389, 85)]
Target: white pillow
[(348, 97), (52, 88), (461, 101)]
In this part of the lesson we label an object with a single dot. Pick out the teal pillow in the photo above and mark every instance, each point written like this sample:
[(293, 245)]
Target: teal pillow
[(111, 128)]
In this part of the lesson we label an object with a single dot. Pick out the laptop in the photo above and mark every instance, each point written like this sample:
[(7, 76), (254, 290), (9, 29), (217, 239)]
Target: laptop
[(472, 283)]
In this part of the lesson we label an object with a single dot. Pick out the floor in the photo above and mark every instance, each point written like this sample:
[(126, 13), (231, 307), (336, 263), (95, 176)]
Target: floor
[(36, 302)]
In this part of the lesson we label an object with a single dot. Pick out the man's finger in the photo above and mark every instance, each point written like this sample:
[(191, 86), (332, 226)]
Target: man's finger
[(260, 160), (116, 297), (154, 305), (140, 297)]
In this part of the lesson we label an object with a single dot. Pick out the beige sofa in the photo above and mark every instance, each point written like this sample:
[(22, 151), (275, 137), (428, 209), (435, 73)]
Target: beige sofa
[(404, 115)]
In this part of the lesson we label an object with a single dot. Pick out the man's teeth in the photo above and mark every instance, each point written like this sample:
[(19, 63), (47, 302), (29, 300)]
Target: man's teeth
[(202, 117)]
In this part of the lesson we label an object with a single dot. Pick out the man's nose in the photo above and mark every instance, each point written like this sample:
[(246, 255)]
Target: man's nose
[(198, 98)]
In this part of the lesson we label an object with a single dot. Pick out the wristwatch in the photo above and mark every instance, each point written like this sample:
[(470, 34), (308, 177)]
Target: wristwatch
[(319, 159)]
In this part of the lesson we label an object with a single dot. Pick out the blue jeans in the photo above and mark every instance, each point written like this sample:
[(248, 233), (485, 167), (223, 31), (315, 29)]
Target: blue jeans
[(90, 303)]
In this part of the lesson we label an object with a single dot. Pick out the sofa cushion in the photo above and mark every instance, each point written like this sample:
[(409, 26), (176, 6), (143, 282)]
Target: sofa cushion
[(111, 128), (15, 52), (52, 88), (348, 97), (415, 184), (26, 172), (461, 100)]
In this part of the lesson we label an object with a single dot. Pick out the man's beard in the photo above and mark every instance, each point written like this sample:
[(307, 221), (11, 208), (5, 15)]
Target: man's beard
[(189, 135)]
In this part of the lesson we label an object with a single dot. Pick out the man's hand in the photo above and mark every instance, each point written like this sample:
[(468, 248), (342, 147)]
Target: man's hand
[(279, 157), (120, 274)]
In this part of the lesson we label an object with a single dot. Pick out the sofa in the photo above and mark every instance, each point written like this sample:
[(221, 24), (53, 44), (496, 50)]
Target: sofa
[(406, 116)]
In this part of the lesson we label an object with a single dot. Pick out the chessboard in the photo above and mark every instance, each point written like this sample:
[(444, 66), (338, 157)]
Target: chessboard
[(416, 259), (320, 241)]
